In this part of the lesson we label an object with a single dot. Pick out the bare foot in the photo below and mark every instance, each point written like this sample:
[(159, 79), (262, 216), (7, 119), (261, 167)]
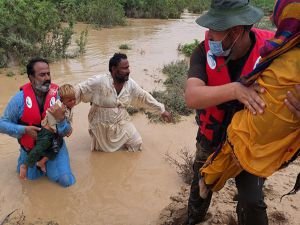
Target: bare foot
[(203, 189), (42, 165), (23, 172)]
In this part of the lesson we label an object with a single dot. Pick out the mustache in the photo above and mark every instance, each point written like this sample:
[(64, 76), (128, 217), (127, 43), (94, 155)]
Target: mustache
[(47, 82)]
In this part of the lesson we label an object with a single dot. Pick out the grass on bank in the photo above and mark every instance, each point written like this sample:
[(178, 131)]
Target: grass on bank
[(173, 96), (187, 49)]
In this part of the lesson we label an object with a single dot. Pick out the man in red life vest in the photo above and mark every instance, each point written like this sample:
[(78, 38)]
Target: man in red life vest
[(22, 119), (229, 51)]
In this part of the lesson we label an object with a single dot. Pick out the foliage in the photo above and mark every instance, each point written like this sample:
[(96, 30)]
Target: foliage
[(265, 23), (82, 41), (173, 96), (187, 49), (198, 6), (124, 47), (10, 74), (266, 5), (132, 110), (102, 13), (184, 166), (31, 28), (153, 8)]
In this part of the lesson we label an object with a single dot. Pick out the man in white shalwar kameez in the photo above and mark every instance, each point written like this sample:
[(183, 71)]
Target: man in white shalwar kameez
[(110, 126)]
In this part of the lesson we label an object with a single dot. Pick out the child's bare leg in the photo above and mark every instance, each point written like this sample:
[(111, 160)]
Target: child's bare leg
[(203, 189), (23, 171), (42, 163)]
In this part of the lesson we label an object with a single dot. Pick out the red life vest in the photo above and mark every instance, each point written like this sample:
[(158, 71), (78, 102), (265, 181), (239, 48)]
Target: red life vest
[(212, 118), (31, 114)]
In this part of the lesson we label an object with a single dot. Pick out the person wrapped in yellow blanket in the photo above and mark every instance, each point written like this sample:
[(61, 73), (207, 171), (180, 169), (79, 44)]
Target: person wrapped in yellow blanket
[(261, 144)]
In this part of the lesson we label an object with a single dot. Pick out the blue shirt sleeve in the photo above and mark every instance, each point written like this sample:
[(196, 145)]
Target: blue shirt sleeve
[(12, 113), (63, 127)]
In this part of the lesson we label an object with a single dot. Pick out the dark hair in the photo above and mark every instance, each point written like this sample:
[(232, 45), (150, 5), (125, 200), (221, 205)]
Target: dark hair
[(116, 59), (32, 62), (248, 27)]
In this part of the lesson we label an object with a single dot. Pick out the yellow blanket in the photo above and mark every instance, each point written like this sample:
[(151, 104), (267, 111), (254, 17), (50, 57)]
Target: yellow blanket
[(260, 144)]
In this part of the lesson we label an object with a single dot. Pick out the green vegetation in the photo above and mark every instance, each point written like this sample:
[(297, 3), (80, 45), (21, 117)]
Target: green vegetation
[(198, 6), (183, 164), (265, 23), (154, 8), (187, 49), (10, 74), (124, 47), (82, 41), (32, 28), (173, 96), (266, 5), (107, 13)]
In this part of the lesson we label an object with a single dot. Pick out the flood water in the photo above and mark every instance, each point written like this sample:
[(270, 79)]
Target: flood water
[(111, 188)]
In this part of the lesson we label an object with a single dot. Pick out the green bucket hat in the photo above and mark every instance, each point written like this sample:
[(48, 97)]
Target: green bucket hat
[(225, 14)]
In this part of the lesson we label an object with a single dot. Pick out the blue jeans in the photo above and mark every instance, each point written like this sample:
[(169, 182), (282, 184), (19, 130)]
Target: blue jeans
[(58, 169)]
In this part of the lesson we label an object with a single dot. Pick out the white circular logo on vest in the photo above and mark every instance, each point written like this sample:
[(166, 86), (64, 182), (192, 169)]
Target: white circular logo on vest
[(52, 101), (28, 102), (211, 60), (257, 61)]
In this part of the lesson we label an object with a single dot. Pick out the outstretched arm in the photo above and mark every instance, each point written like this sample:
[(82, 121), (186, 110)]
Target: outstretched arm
[(143, 99), (84, 91)]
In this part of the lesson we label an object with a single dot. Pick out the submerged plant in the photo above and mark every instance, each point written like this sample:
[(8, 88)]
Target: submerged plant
[(124, 47), (183, 165)]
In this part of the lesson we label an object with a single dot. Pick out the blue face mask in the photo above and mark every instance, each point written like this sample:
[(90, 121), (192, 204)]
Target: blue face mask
[(216, 48)]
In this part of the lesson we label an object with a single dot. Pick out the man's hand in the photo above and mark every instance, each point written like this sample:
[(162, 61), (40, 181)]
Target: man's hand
[(293, 103), (249, 97), (58, 112), (32, 131), (167, 116)]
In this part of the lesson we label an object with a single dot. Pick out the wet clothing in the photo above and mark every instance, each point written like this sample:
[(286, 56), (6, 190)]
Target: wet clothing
[(110, 126), (58, 170), (250, 198), (42, 148), (251, 208), (261, 144), (35, 108), (197, 207), (47, 142)]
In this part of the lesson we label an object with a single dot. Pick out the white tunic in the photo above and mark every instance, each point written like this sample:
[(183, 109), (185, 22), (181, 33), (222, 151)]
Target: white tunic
[(109, 122)]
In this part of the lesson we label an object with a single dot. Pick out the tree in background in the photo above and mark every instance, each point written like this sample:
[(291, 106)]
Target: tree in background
[(31, 28)]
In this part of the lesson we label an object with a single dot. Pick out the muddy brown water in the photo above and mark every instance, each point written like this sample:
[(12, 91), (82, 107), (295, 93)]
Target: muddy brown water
[(111, 188)]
